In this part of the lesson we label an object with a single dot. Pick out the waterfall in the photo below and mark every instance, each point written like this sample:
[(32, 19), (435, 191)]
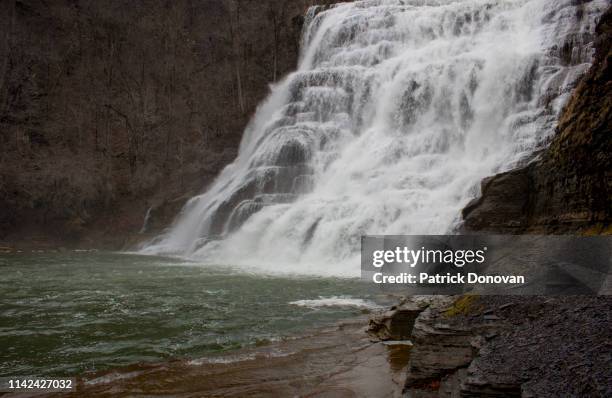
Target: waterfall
[(397, 111)]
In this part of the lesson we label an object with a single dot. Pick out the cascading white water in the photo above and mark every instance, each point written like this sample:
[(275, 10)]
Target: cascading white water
[(397, 111)]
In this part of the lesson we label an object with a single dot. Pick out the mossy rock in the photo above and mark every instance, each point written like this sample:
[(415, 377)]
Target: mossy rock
[(598, 229), (464, 305)]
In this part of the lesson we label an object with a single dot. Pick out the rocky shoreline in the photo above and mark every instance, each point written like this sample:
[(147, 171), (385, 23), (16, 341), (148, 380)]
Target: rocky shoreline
[(502, 346), (423, 347)]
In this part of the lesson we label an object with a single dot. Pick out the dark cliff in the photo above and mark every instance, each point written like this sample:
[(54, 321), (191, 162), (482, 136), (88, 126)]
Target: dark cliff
[(569, 188), (110, 107)]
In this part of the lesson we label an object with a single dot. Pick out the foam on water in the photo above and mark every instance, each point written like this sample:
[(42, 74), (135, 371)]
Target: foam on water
[(396, 112), (336, 301)]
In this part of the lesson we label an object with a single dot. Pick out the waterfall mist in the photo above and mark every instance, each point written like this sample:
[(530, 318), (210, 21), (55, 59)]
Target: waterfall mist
[(396, 112)]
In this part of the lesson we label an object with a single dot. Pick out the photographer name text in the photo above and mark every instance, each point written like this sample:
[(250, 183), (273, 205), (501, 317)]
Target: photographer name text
[(448, 279)]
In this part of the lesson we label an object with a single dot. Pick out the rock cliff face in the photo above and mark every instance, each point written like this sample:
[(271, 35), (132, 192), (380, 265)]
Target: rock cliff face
[(569, 188), (110, 107)]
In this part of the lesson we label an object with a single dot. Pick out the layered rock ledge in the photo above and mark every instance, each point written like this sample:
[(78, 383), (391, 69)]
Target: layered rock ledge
[(497, 346)]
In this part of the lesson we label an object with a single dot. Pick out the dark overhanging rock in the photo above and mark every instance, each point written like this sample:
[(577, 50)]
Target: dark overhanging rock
[(503, 203)]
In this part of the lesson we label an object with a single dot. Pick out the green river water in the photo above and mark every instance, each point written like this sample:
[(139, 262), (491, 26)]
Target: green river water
[(62, 314)]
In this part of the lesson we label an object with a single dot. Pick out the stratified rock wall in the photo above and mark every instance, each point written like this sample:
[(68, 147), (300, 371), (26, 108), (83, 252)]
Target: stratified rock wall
[(569, 189), (110, 107), (504, 346)]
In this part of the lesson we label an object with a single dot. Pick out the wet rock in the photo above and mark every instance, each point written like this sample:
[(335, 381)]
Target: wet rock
[(501, 204), (445, 343), (438, 361), (439, 349), (476, 385), (397, 323)]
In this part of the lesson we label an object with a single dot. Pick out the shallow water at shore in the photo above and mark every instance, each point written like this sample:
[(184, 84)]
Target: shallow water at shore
[(332, 361), (69, 313)]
